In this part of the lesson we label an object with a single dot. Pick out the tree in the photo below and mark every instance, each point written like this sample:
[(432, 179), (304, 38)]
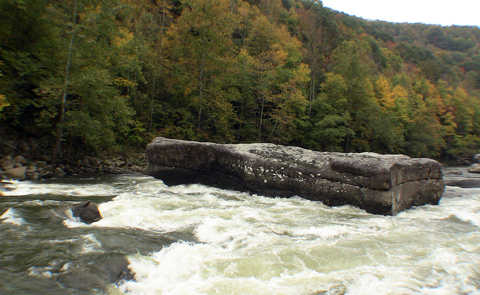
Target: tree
[(331, 116), (82, 97), (200, 49), (312, 32), (354, 64)]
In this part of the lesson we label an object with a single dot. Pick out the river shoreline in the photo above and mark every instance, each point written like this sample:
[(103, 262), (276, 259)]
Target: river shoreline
[(29, 160)]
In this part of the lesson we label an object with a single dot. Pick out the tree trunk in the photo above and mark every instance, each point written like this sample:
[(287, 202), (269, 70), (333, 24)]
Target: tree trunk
[(261, 119), (59, 136), (153, 104), (201, 83)]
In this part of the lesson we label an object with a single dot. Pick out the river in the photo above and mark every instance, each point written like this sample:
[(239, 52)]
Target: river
[(193, 239)]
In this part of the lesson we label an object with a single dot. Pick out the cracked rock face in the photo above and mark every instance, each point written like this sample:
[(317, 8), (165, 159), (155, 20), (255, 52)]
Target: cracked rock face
[(381, 184)]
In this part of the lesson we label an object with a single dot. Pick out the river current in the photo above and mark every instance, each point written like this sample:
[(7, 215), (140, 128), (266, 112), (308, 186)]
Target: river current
[(194, 239)]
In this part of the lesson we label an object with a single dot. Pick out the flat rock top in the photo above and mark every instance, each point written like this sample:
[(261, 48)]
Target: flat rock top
[(303, 157), (394, 169)]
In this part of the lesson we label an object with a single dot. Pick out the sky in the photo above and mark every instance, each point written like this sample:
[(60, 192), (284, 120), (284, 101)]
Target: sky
[(438, 12)]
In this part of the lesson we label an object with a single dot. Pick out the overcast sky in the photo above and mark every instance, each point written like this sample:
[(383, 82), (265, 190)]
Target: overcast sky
[(441, 12)]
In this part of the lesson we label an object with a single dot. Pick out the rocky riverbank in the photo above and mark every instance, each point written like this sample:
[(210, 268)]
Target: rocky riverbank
[(25, 159), (18, 167)]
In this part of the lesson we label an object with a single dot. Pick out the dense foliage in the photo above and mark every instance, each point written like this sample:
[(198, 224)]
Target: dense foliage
[(95, 74)]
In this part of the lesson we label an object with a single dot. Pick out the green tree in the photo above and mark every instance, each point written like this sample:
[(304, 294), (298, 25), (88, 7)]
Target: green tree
[(200, 49), (353, 62), (80, 100), (332, 120)]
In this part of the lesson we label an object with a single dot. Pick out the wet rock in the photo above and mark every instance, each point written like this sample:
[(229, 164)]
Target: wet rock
[(475, 168), (98, 275), (384, 184), (464, 182), (87, 211), (19, 173)]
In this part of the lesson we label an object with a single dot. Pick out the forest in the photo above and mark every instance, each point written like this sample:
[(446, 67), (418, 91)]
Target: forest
[(83, 76)]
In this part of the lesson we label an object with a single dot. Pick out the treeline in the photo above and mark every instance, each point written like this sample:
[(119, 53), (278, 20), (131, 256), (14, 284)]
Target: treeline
[(90, 75)]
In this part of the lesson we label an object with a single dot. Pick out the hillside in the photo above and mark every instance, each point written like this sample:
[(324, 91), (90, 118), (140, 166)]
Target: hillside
[(83, 76)]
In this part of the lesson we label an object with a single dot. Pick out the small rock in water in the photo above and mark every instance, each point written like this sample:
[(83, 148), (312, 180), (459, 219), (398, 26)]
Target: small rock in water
[(87, 211)]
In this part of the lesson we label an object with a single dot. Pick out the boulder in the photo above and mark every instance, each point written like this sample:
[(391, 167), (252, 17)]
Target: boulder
[(16, 173), (382, 184), (475, 168), (19, 161), (476, 158), (87, 211)]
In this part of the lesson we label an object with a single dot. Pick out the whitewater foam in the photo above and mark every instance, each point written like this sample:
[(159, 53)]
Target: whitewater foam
[(256, 245), (11, 216)]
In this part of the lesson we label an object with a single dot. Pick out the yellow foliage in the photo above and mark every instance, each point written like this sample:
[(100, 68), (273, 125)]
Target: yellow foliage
[(3, 102), (124, 82), (302, 73), (279, 55), (122, 41), (385, 97)]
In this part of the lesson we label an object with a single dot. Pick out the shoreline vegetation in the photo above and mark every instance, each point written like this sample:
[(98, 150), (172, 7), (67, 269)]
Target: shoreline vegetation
[(86, 85)]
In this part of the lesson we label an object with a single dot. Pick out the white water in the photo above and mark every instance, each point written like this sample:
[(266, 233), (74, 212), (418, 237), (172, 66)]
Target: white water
[(10, 216), (256, 245)]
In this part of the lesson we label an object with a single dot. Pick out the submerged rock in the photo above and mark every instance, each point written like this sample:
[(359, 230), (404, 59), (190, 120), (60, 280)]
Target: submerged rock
[(87, 211), (101, 274), (382, 184)]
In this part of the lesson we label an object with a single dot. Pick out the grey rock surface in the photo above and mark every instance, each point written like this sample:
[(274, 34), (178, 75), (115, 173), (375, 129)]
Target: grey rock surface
[(460, 177), (381, 184), (475, 168), (476, 158)]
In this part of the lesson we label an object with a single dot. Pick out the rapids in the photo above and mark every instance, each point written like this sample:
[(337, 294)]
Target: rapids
[(193, 239)]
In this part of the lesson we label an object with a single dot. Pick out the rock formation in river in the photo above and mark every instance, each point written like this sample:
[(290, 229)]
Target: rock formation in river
[(87, 211), (382, 184), (475, 168), (476, 158)]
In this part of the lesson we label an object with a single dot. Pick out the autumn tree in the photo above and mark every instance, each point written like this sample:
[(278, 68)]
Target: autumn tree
[(200, 48)]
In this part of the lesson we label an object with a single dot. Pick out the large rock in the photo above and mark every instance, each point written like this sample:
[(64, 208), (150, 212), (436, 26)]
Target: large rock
[(87, 211), (384, 184), (16, 173), (476, 158), (475, 168)]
